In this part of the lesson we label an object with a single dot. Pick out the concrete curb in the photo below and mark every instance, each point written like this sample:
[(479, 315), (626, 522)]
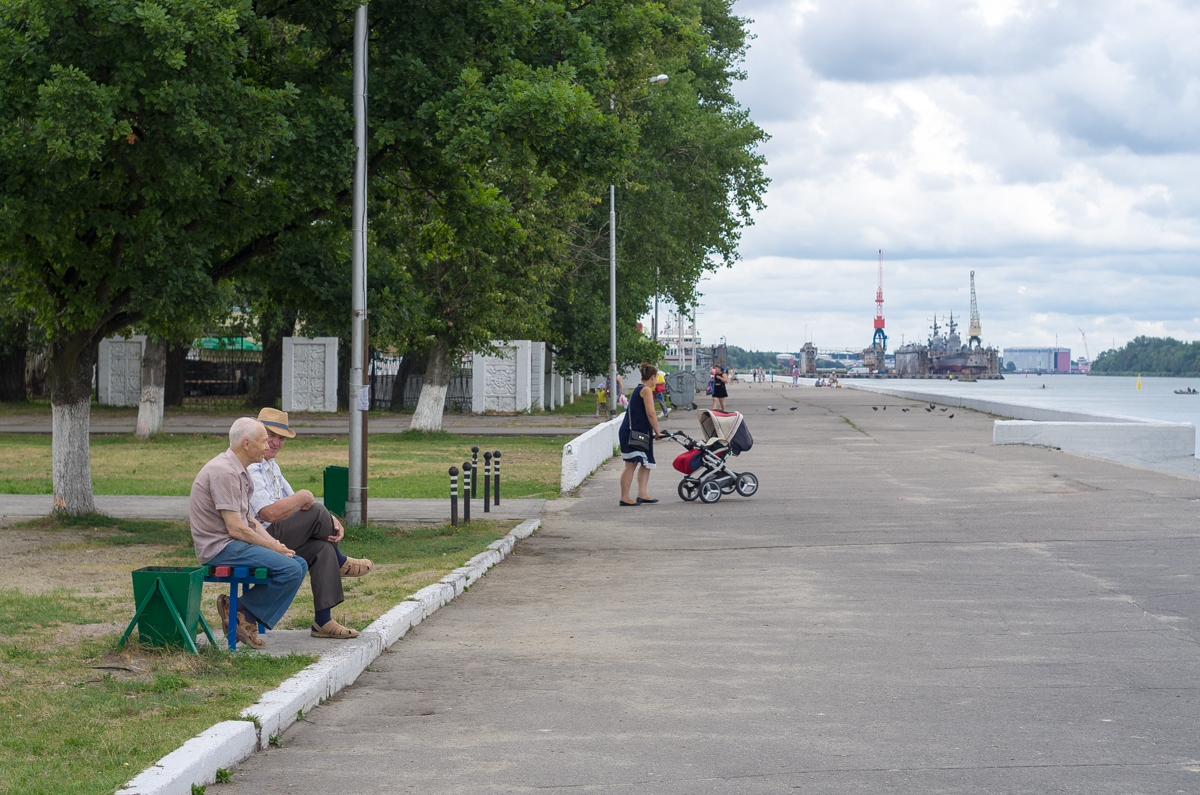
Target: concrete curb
[(230, 742)]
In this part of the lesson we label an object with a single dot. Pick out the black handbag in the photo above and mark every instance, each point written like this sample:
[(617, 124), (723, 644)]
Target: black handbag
[(639, 442)]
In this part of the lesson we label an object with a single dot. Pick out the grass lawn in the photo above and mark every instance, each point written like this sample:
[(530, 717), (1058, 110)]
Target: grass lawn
[(399, 465), (76, 716)]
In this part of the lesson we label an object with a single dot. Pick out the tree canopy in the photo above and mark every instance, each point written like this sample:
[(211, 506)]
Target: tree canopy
[(1150, 356), (161, 161)]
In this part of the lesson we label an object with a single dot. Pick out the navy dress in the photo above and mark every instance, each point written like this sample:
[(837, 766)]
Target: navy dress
[(636, 419)]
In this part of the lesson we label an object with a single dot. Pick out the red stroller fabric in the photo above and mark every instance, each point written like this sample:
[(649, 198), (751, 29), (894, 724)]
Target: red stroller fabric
[(688, 461)]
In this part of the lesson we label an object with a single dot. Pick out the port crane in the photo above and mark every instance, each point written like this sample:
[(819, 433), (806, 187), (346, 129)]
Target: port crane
[(1085, 345), (974, 333), (880, 339)]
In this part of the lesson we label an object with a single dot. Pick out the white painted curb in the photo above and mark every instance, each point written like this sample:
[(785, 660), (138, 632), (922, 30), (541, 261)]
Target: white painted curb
[(231, 742)]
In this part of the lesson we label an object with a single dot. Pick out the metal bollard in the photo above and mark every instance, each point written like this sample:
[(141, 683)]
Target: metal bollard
[(487, 482), (454, 496), (468, 476), (496, 460), (475, 469)]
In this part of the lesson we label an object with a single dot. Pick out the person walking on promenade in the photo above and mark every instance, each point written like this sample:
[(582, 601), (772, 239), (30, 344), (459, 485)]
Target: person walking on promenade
[(226, 533), (641, 418), (297, 521), (720, 380)]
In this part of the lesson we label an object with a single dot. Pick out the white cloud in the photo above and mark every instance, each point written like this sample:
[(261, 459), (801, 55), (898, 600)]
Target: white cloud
[(1048, 147)]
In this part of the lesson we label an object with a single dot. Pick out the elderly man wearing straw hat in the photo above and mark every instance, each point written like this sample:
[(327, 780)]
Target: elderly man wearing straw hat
[(304, 526)]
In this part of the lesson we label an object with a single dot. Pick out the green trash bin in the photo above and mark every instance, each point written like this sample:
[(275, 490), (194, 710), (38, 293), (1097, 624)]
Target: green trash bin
[(337, 489), (184, 586)]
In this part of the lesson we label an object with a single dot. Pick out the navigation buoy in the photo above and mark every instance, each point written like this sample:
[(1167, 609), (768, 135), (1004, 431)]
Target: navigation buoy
[(1139, 381)]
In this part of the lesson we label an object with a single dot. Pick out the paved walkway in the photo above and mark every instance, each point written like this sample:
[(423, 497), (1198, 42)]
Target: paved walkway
[(109, 420), (903, 608)]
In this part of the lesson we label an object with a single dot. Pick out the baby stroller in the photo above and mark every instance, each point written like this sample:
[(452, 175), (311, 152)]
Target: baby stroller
[(703, 464)]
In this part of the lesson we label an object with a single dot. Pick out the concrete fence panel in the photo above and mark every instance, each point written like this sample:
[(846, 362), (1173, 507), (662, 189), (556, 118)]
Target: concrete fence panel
[(584, 454)]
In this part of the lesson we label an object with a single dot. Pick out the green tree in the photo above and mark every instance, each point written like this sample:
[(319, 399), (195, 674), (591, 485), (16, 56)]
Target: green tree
[(692, 183), (147, 151), (1150, 355)]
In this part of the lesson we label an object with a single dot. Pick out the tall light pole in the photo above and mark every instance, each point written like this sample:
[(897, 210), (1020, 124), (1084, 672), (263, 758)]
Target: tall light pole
[(612, 274), (356, 498)]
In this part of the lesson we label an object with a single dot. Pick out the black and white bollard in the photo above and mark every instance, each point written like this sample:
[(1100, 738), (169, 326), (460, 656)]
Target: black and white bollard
[(496, 461), (454, 496), (487, 482), (468, 476), (475, 469)]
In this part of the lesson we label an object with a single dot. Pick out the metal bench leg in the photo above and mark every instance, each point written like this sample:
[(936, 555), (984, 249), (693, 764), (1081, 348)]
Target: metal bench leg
[(233, 608)]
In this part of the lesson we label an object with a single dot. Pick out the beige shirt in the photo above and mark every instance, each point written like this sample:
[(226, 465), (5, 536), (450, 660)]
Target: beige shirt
[(222, 485)]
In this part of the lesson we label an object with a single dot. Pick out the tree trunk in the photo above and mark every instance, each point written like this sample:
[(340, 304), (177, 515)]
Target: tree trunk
[(175, 372), (12, 361), (428, 416), (268, 384), (69, 368), (154, 380)]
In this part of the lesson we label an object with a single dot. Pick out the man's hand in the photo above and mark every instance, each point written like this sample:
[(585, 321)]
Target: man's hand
[(338, 530), (306, 497)]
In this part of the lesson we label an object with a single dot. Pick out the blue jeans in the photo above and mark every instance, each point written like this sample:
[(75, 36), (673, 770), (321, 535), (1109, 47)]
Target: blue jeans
[(267, 602)]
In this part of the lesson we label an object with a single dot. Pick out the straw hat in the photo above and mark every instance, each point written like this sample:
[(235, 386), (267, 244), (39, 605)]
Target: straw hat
[(276, 422)]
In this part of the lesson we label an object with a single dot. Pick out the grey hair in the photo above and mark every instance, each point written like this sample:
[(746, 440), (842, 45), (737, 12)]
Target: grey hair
[(243, 428)]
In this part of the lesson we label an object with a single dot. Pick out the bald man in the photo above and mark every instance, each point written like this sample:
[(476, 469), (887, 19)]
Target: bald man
[(225, 533)]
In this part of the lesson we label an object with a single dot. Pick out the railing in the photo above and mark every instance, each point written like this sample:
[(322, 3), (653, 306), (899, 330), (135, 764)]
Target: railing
[(384, 371), (219, 377)]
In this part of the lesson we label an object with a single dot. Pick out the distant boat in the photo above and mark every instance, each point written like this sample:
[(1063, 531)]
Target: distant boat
[(1188, 391)]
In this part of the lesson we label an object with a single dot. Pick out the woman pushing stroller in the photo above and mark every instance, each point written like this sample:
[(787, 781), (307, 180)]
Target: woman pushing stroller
[(637, 434)]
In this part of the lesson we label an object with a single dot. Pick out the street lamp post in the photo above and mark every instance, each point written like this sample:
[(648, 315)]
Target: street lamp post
[(612, 275), (356, 497)]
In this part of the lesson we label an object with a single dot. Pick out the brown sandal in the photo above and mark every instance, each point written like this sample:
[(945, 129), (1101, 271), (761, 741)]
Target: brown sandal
[(333, 630), (356, 567)]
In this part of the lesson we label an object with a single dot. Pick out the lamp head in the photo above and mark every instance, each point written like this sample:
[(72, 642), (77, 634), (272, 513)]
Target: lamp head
[(659, 79)]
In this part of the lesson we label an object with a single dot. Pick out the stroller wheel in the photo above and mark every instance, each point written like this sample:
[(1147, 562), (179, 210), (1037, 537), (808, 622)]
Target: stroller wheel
[(747, 484), (710, 492), (728, 486), (688, 490)]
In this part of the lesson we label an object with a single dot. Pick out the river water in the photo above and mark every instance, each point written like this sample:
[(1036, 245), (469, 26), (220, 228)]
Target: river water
[(1113, 396)]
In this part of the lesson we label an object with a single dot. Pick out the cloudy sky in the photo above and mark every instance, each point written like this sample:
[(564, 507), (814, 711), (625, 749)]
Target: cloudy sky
[(1051, 147)]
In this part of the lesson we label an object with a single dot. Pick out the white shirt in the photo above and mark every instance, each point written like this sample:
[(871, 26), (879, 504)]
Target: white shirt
[(270, 486)]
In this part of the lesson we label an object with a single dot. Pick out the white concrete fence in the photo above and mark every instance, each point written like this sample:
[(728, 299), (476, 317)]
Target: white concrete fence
[(584, 454)]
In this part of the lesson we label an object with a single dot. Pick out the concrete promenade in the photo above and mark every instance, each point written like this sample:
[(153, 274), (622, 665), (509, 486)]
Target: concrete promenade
[(902, 608)]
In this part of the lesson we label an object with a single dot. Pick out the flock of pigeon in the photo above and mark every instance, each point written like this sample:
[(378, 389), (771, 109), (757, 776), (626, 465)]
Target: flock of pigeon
[(876, 408)]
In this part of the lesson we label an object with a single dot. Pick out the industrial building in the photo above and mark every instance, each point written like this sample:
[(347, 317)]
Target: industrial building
[(1039, 360)]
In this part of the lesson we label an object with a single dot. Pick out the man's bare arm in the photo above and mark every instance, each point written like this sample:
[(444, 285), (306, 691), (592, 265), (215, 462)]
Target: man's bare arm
[(282, 509), (256, 535)]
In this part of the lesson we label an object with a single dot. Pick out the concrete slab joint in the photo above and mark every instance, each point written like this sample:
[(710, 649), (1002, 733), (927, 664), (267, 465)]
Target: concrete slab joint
[(230, 742)]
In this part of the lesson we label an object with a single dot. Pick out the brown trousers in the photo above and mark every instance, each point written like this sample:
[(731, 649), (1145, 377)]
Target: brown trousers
[(306, 534)]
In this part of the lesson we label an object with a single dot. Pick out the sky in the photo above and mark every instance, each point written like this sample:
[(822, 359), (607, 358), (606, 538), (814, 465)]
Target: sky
[(1053, 148)]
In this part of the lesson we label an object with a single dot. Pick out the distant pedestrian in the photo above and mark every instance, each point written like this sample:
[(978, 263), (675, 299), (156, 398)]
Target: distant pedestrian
[(719, 393), (795, 376)]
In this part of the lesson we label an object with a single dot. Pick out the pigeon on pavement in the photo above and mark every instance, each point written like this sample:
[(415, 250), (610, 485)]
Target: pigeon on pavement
[(950, 417), (793, 408), (874, 408), (904, 409), (772, 408)]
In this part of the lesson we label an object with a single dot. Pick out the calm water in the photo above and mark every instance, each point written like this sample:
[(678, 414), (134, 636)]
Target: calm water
[(1113, 396)]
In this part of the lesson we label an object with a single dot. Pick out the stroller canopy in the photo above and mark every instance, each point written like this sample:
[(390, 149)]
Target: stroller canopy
[(728, 428)]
